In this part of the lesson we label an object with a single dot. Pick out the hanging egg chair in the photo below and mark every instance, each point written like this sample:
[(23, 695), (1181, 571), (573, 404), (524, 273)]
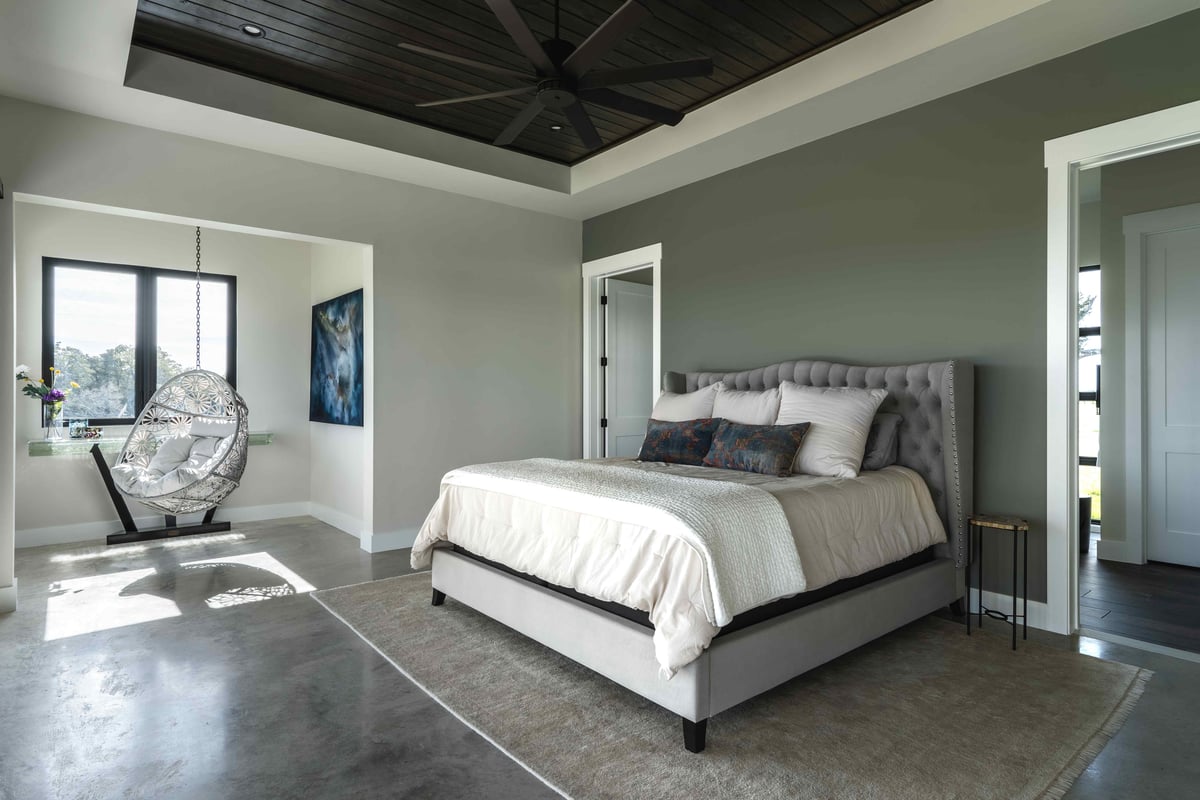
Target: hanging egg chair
[(186, 452)]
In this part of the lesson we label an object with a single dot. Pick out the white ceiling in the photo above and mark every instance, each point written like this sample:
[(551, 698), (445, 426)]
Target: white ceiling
[(75, 54)]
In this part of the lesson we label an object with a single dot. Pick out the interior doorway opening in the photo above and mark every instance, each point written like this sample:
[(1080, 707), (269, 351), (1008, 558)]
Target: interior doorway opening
[(622, 300), (1137, 426)]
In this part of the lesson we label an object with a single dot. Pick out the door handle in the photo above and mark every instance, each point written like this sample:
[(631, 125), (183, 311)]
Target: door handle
[(1097, 390)]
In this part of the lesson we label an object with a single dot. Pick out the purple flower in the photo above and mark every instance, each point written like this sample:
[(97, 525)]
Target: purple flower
[(54, 396)]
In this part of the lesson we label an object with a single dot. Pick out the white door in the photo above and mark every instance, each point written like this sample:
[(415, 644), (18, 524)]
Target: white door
[(628, 375), (1172, 314)]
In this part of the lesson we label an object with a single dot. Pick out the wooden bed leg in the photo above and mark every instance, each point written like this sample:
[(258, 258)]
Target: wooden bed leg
[(438, 597), (693, 734), (958, 608)]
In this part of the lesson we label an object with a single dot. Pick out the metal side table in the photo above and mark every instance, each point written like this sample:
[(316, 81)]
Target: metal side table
[(1019, 530)]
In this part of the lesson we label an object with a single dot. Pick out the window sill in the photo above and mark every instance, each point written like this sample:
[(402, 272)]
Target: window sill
[(75, 447)]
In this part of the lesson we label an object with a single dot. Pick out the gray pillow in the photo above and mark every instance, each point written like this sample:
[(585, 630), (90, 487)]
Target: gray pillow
[(883, 441)]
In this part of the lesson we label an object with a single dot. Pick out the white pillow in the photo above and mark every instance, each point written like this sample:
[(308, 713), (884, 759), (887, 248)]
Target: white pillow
[(203, 448), (841, 419), (748, 407), (672, 407), (220, 428), (170, 454)]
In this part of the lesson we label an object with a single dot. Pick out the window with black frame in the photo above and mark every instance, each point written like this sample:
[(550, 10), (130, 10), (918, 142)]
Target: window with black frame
[(1089, 387), (122, 331)]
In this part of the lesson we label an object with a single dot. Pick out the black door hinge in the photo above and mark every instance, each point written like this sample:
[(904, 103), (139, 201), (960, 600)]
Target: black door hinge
[(604, 361), (603, 422), (603, 299)]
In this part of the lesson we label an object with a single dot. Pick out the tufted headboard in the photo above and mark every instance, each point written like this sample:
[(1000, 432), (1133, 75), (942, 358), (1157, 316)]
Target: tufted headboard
[(936, 401)]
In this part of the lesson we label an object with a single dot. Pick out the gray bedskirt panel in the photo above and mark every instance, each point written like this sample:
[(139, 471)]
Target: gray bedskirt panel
[(935, 399)]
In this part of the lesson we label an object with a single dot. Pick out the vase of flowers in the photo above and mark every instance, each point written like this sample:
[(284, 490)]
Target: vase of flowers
[(49, 396)]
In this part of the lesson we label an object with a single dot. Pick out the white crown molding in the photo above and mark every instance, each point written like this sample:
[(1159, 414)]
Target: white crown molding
[(76, 56)]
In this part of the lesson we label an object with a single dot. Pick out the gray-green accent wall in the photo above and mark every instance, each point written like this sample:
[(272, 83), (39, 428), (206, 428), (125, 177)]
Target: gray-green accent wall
[(916, 237)]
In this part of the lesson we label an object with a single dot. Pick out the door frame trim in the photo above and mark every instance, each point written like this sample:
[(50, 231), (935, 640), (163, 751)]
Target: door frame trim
[(1160, 131), (594, 272), (1137, 228)]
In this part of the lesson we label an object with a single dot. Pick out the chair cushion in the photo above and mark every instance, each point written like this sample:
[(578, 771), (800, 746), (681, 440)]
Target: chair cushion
[(207, 426), (171, 454)]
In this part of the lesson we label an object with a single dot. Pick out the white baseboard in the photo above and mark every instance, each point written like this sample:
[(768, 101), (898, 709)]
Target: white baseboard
[(93, 531), (389, 540), (1123, 551), (96, 531), (338, 519), (8, 598), (1003, 603)]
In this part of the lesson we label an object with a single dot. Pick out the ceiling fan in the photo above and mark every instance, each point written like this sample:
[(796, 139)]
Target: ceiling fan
[(563, 77)]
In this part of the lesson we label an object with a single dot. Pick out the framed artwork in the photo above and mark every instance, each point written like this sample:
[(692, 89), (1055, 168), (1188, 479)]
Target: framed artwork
[(336, 380)]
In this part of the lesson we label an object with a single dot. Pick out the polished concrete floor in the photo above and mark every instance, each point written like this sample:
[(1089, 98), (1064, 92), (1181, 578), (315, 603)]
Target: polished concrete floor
[(198, 669)]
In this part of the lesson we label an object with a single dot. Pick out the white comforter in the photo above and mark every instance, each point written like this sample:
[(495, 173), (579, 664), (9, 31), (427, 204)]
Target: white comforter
[(642, 554)]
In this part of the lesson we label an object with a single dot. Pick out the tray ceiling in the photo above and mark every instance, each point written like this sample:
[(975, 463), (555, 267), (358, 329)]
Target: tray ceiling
[(346, 50)]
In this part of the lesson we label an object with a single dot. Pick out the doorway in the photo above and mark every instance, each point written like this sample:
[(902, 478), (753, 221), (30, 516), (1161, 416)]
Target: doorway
[(1144, 584), (622, 296), (1137, 408)]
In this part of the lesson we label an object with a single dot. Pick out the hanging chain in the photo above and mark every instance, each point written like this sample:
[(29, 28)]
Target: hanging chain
[(197, 297)]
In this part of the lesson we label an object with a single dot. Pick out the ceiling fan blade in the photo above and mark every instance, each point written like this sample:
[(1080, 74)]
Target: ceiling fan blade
[(631, 105), (468, 62), (691, 68), (519, 123), (612, 30), (526, 42), (469, 98), (582, 123)]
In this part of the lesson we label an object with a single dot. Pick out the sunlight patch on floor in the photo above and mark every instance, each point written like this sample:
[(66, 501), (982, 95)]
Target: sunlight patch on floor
[(103, 602), (253, 591), (137, 549), (96, 603)]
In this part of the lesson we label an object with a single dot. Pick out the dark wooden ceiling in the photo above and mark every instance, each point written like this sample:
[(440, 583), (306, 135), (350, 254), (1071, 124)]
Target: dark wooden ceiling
[(346, 50)]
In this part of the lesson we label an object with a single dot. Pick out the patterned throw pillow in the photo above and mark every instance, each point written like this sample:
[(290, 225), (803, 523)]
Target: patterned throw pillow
[(678, 442), (769, 449)]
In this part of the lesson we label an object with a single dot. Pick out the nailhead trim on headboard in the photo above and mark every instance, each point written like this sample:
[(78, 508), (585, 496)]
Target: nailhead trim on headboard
[(960, 555)]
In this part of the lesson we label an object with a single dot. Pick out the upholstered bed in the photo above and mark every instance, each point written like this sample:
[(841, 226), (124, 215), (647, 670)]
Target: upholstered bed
[(856, 598)]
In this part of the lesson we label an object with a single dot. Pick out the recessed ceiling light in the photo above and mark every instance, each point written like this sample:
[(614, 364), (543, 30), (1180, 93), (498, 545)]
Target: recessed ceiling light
[(254, 30), (556, 127)]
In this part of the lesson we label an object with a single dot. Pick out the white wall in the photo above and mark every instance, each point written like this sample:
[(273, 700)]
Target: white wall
[(1089, 233), (273, 277), (340, 473), (478, 324)]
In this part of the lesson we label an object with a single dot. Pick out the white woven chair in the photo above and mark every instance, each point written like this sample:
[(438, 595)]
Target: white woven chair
[(196, 394)]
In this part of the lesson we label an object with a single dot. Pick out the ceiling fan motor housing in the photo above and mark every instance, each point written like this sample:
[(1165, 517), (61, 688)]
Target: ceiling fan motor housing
[(555, 93)]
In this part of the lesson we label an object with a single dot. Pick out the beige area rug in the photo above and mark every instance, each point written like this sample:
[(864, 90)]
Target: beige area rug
[(925, 712)]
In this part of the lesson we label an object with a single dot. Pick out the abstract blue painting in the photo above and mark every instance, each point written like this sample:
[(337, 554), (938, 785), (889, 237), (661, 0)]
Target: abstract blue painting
[(336, 383)]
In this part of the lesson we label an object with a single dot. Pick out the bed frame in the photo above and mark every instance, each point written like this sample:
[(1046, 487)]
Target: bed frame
[(936, 401)]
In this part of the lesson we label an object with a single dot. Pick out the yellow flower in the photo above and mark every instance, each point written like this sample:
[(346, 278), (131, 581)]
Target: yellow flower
[(41, 380), (74, 385)]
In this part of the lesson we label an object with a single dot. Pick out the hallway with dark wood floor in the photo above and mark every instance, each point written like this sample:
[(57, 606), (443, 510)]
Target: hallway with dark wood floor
[(1154, 602)]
